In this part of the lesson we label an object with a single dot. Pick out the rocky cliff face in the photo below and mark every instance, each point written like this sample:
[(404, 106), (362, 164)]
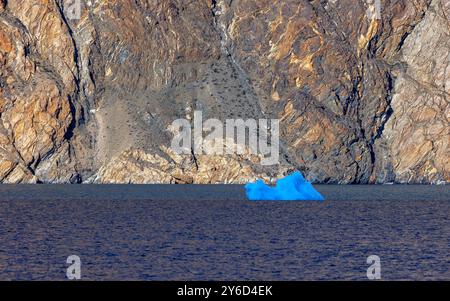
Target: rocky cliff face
[(362, 97)]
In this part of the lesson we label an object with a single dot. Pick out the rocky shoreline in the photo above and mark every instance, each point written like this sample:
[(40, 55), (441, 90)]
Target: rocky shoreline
[(89, 100)]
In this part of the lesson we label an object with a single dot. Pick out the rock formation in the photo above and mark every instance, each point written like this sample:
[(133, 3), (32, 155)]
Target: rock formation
[(362, 90)]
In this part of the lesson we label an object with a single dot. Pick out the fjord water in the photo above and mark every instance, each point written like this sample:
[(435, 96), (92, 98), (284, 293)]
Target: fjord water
[(213, 233)]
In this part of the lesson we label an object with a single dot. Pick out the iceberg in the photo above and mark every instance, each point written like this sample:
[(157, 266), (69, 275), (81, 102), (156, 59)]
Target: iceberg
[(291, 188)]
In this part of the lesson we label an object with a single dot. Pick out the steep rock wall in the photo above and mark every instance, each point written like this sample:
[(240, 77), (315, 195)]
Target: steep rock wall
[(361, 99)]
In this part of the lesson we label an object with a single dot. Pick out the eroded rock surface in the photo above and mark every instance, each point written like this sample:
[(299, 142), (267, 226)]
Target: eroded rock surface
[(362, 98), (38, 84), (417, 135)]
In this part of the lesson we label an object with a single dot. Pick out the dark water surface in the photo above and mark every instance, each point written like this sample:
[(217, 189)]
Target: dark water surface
[(180, 233)]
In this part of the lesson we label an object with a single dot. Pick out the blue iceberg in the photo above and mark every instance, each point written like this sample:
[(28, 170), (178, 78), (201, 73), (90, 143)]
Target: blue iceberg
[(291, 188)]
